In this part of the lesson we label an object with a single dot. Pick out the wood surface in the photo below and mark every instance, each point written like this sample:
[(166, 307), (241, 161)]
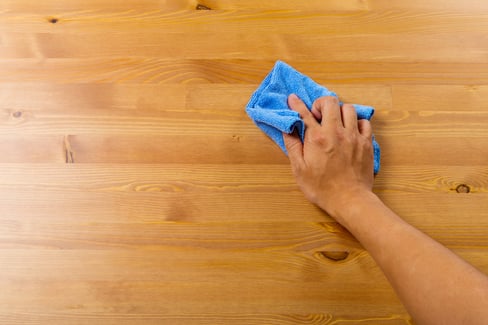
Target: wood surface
[(135, 190)]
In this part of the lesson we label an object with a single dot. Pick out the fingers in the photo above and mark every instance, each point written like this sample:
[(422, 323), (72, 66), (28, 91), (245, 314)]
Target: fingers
[(365, 128), (328, 109), (349, 117), (316, 112), (332, 114), (297, 105), (294, 147)]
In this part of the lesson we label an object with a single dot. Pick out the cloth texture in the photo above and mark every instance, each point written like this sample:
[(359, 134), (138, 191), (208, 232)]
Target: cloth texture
[(268, 106)]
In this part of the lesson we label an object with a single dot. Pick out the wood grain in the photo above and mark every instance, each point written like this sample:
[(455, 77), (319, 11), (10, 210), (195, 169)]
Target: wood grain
[(442, 48), (159, 71), (135, 190), (48, 6), (290, 22), (244, 319)]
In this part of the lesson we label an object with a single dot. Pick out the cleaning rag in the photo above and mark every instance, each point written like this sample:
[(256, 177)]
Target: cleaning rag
[(268, 106)]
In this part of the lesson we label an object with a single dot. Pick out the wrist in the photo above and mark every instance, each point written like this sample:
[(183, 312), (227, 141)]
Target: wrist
[(351, 205)]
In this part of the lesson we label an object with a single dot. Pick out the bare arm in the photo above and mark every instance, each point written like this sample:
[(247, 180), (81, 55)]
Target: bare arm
[(334, 169)]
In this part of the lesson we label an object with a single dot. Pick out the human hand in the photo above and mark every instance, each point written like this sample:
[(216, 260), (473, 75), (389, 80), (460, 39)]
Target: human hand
[(334, 165)]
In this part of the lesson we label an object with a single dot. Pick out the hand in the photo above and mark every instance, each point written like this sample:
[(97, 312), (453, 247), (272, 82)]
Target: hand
[(334, 165)]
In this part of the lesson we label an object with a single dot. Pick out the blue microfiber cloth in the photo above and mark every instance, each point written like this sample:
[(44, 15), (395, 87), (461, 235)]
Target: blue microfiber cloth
[(268, 106)]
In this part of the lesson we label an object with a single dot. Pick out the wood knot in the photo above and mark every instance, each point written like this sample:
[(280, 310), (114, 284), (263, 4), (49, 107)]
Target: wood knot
[(202, 7), (335, 256), (463, 188), (53, 20), (17, 114)]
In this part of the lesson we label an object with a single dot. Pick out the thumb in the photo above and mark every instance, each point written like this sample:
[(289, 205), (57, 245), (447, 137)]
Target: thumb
[(294, 146)]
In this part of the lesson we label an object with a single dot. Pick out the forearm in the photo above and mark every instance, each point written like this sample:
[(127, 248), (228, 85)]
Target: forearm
[(436, 286)]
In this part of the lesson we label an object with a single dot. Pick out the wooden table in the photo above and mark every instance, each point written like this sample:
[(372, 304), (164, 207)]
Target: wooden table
[(135, 190)]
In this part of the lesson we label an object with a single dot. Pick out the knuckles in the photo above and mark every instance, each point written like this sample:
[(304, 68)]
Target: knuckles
[(326, 101), (319, 137), (338, 138)]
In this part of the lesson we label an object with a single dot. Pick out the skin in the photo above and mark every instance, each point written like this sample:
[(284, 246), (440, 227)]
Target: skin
[(334, 169)]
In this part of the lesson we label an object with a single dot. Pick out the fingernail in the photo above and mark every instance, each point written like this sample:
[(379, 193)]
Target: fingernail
[(293, 97)]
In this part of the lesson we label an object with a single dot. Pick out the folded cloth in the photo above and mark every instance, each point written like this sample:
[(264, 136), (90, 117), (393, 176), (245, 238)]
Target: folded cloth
[(268, 106)]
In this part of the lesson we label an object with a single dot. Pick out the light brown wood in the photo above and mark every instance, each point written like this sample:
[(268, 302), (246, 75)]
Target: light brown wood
[(135, 190)]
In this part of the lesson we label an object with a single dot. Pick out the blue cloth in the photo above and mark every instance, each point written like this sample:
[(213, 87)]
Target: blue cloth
[(268, 106)]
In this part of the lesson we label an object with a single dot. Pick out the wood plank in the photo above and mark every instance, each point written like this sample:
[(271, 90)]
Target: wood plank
[(50, 6), (225, 98), (204, 23), (82, 97), (436, 124), (457, 220), (395, 47), (159, 71), (253, 149), (197, 319), (443, 206), (218, 178), (167, 259)]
